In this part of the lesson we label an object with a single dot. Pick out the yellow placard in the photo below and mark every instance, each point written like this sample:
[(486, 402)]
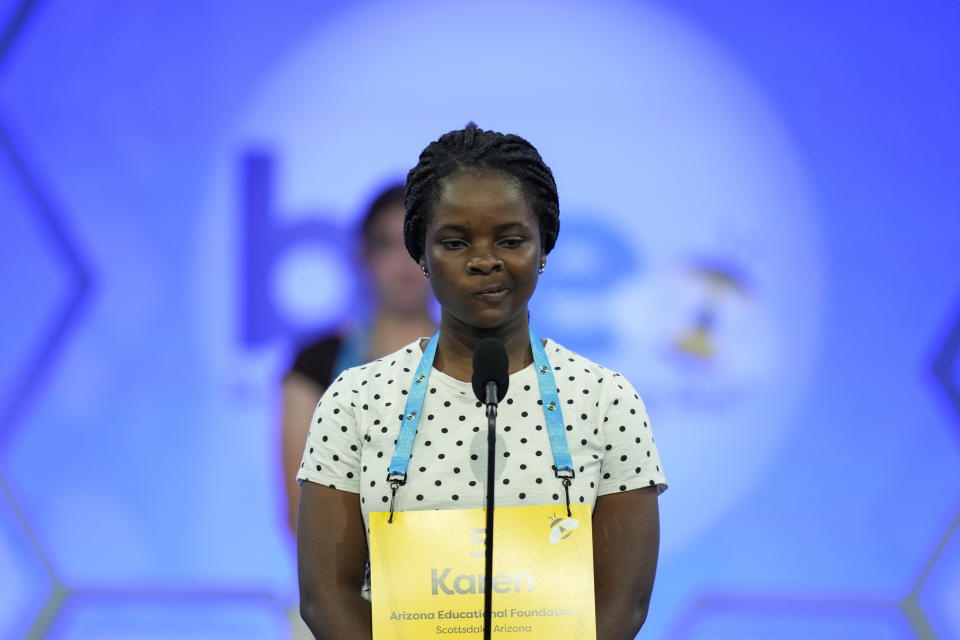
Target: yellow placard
[(427, 570)]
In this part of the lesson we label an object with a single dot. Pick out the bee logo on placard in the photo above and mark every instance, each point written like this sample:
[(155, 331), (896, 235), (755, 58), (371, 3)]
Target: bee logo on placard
[(561, 528)]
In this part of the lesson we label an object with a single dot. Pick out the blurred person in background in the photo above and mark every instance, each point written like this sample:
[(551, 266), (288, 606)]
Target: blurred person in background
[(400, 299)]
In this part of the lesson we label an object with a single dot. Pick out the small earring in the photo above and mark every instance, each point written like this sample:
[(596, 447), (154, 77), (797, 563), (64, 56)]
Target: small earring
[(540, 270), (425, 274)]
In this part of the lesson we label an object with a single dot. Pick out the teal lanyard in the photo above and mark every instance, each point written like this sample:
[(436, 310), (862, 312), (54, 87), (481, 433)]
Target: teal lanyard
[(552, 413)]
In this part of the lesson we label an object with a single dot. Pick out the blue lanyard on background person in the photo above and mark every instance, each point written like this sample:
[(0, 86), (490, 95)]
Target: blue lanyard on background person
[(552, 413)]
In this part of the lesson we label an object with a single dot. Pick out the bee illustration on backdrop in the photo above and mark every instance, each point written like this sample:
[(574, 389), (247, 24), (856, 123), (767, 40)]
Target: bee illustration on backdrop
[(561, 528)]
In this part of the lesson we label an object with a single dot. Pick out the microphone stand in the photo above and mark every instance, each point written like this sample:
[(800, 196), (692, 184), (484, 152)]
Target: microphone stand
[(491, 402)]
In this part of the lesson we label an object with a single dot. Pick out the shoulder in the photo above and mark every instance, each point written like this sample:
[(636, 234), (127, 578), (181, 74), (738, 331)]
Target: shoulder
[(563, 358), (394, 366), (315, 360)]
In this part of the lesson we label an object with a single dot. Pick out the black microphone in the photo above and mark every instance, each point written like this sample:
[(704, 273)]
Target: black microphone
[(490, 379)]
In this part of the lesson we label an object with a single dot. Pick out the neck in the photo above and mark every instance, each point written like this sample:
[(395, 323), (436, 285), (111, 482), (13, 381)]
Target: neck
[(457, 342)]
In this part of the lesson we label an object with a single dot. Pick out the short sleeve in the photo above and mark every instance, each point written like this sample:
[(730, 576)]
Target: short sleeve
[(630, 459), (331, 456)]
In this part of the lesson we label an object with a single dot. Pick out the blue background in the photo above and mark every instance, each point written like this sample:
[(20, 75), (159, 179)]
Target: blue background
[(805, 150)]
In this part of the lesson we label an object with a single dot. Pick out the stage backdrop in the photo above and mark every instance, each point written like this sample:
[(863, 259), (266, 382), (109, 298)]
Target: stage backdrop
[(760, 227)]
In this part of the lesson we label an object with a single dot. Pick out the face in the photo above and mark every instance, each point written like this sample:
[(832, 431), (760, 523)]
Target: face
[(399, 283), (482, 251)]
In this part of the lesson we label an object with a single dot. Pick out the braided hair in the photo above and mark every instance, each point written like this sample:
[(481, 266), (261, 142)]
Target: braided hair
[(474, 148)]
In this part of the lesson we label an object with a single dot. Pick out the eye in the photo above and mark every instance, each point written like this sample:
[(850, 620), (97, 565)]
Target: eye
[(512, 243), (453, 243)]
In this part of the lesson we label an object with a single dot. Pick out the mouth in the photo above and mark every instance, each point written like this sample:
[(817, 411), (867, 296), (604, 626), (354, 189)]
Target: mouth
[(492, 294)]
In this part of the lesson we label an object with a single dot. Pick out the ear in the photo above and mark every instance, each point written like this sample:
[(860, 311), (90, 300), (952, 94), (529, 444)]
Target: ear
[(423, 263)]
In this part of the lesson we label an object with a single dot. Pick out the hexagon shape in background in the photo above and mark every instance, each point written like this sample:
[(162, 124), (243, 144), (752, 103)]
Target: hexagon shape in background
[(33, 280), (724, 618), (946, 367), (182, 615), (939, 590), (26, 583)]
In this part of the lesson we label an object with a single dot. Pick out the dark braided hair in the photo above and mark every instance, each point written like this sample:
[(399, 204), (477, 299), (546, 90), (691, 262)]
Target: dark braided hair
[(474, 148)]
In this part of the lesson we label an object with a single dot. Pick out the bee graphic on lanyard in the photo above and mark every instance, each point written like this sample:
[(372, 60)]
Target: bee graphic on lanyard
[(561, 528)]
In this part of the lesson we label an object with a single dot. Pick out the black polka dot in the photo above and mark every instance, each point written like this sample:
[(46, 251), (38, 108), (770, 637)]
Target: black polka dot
[(623, 487), (419, 496), (523, 496)]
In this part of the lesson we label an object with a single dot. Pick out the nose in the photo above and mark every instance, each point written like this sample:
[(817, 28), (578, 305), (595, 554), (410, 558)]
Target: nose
[(484, 264)]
